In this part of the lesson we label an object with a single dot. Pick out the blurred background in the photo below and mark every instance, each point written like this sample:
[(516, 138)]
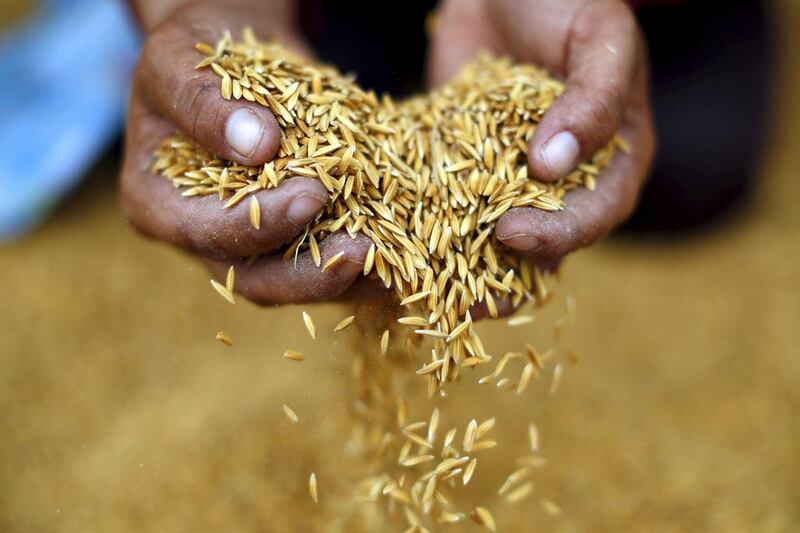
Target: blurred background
[(120, 412)]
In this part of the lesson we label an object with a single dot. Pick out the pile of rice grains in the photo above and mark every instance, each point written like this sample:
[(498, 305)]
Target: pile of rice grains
[(425, 179)]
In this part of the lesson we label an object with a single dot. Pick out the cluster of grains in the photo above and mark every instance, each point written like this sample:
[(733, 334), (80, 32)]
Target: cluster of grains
[(426, 180)]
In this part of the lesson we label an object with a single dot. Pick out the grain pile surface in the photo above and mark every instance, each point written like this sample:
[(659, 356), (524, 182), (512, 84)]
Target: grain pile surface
[(425, 180)]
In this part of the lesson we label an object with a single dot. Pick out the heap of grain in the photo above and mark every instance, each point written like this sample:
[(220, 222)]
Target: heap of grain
[(426, 180)]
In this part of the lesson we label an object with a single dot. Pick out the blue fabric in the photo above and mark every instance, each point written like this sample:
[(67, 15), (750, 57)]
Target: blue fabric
[(64, 82)]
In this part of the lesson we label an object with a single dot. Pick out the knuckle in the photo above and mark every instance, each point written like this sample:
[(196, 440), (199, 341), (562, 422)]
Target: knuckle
[(195, 101), (603, 13), (624, 19), (552, 246), (159, 40), (563, 238), (602, 110), (597, 115), (329, 289), (199, 18)]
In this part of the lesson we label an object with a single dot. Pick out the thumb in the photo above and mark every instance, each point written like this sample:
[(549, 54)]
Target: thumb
[(602, 54), (235, 129)]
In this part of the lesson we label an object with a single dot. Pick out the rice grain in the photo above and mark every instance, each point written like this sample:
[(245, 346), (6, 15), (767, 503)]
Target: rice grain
[(312, 330), (425, 180), (482, 517), (224, 338), (312, 487), (294, 355), (255, 213), (290, 414), (223, 291), (344, 323)]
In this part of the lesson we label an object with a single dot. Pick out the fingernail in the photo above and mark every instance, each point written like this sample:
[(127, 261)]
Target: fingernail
[(521, 241), (243, 131), (303, 208), (560, 153)]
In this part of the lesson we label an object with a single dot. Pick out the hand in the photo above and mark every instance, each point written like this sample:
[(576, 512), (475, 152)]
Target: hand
[(596, 47), (169, 94)]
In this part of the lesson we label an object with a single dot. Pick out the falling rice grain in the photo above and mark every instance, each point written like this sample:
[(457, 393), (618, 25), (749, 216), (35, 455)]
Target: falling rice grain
[(417, 459), (484, 427), (512, 479), (550, 507), (534, 461), (525, 378), (433, 425), (344, 323), (412, 321), (224, 338), (230, 279), (556, 383), (312, 487), (446, 517), (312, 330), (385, 342), (520, 493), (415, 297), (290, 414), (483, 445), (533, 438), (482, 517), (469, 435), (223, 291), (470, 470), (294, 355), (520, 320)]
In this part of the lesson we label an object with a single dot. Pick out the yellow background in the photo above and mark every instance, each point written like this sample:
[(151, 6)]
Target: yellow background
[(120, 412)]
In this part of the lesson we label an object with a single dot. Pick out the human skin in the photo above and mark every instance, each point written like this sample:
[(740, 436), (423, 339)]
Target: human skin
[(169, 94), (594, 45)]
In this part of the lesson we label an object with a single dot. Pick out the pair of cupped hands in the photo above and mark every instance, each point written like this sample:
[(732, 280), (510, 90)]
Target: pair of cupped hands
[(593, 45)]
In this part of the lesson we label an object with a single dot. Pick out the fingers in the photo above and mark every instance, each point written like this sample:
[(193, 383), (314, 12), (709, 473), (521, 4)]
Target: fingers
[(462, 30), (588, 215), (271, 280), (600, 63), (205, 227), (621, 97), (262, 15), (201, 224), (233, 129)]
